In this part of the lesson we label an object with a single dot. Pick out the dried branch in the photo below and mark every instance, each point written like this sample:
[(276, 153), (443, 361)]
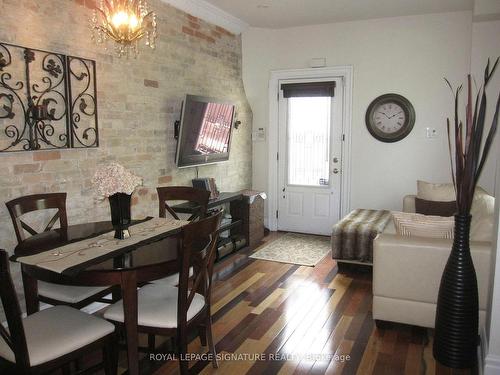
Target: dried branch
[(469, 157)]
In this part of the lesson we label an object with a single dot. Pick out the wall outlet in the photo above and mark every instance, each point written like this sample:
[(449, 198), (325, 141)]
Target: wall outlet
[(430, 133)]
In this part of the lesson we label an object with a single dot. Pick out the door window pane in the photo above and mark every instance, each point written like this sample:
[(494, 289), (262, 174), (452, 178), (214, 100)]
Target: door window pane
[(309, 141)]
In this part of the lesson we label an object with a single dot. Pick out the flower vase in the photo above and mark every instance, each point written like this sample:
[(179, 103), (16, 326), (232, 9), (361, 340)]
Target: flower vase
[(120, 214), (456, 328)]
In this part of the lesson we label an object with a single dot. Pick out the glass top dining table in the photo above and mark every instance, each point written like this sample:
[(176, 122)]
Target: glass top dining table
[(137, 261)]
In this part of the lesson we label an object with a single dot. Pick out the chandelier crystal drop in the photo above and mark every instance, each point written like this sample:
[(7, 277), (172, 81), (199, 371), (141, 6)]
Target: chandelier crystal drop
[(125, 22)]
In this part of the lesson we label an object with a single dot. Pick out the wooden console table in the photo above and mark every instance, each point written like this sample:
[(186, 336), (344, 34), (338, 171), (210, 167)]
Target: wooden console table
[(247, 210)]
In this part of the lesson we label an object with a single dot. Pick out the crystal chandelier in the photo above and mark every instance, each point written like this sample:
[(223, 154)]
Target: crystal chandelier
[(125, 22)]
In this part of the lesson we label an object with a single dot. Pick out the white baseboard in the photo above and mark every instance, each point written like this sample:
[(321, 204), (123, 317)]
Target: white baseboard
[(488, 364), (482, 350), (491, 365)]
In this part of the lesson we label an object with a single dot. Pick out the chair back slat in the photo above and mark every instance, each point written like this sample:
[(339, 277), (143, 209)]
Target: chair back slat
[(52, 221), (15, 338), (170, 211), (23, 205), (199, 197), (198, 250), (27, 228), (6, 337)]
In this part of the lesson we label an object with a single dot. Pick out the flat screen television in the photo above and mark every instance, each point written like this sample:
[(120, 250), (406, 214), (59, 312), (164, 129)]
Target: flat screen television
[(205, 131)]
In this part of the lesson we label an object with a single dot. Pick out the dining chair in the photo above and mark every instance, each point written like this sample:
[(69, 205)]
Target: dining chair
[(176, 311), (52, 338), (198, 198), (53, 294)]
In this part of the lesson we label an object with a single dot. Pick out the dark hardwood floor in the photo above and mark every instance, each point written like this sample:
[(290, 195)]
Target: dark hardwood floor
[(300, 320), (305, 320)]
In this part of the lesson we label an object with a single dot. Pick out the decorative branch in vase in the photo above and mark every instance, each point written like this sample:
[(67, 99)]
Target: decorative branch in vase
[(456, 335), (116, 183)]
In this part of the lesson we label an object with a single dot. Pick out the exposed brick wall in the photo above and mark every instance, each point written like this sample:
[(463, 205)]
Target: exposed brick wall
[(197, 28), (87, 3), (138, 102)]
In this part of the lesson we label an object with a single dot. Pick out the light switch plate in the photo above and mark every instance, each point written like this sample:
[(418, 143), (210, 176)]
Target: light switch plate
[(430, 133), (259, 135)]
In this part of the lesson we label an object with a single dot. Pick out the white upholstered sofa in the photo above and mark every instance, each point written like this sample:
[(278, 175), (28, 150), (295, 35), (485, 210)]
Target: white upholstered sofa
[(407, 270)]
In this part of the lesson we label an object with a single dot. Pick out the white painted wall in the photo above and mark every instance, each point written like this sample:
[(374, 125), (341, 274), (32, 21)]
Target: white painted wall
[(406, 55), (486, 44), (485, 8), (492, 350)]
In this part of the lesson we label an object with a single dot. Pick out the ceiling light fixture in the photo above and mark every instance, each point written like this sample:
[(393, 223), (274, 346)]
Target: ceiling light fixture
[(125, 22)]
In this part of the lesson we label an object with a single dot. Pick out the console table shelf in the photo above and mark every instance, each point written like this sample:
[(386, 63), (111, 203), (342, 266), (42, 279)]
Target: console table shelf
[(231, 225)]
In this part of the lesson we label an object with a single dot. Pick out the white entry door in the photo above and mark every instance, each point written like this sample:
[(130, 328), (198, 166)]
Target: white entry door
[(309, 160)]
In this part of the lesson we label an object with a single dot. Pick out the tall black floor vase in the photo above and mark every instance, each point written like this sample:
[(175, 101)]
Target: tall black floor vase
[(456, 335)]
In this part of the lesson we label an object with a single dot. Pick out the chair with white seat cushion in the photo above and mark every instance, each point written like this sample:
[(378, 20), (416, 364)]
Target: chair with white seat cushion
[(173, 312), (157, 307), (52, 338), (75, 296), (53, 294), (172, 280)]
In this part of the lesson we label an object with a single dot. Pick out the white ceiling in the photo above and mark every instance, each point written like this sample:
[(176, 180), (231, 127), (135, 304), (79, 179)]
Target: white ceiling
[(289, 13)]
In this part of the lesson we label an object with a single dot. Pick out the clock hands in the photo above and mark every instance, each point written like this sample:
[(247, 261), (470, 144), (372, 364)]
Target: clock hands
[(384, 114), (396, 114), (389, 117)]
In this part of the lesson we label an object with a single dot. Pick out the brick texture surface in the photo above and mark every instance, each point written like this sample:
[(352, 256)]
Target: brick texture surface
[(138, 102)]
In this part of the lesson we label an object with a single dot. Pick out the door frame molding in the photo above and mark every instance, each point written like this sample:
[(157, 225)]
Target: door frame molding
[(273, 133)]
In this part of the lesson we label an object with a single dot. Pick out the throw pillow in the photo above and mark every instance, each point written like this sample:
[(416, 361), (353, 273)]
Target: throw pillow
[(435, 192), (425, 207), (410, 225)]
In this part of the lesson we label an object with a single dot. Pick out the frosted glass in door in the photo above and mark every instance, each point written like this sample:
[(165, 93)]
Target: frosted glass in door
[(309, 141)]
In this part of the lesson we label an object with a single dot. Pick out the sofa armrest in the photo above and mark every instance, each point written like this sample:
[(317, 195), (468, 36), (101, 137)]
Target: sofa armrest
[(409, 203), (410, 268)]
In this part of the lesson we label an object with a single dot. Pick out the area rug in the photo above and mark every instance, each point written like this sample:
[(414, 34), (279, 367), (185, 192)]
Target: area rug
[(294, 248)]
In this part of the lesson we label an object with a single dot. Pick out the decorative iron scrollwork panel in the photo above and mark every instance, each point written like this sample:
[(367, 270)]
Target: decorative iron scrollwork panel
[(83, 107), (13, 106), (47, 100)]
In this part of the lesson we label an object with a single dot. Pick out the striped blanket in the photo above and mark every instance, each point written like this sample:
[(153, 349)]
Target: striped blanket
[(352, 237)]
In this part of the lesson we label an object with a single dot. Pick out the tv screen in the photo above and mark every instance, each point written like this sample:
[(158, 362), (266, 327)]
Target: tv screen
[(205, 131)]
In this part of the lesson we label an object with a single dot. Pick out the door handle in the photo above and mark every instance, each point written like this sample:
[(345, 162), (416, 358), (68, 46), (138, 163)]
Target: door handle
[(335, 171), (335, 160)]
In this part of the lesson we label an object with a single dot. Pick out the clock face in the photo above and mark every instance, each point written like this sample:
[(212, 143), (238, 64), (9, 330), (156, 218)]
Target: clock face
[(390, 118)]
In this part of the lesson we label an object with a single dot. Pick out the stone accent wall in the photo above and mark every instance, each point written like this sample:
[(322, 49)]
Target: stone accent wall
[(138, 102)]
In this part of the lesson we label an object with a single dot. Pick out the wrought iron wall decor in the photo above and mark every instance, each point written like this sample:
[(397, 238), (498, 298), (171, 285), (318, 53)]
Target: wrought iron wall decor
[(47, 100)]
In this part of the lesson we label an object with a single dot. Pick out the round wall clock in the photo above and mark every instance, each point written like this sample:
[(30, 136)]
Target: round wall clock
[(390, 117)]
